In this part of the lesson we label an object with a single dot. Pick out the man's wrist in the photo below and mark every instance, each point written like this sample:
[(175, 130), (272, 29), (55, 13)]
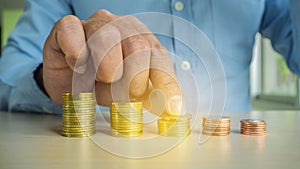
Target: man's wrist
[(38, 77)]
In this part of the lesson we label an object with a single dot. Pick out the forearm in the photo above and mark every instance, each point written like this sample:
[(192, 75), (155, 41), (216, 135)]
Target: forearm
[(29, 97), (23, 86), (295, 53), (38, 77)]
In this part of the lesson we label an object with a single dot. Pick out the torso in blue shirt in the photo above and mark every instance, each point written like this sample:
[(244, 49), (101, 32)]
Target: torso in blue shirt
[(230, 25), (232, 38)]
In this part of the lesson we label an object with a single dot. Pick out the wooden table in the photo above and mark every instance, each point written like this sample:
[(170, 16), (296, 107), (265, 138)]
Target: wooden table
[(30, 141)]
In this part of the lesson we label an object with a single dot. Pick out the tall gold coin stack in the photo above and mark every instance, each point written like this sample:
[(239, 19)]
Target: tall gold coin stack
[(78, 115), (253, 127), (126, 119), (174, 126), (216, 125)]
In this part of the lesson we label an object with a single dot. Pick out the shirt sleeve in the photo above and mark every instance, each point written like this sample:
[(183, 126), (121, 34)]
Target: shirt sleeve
[(281, 24), (23, 53)]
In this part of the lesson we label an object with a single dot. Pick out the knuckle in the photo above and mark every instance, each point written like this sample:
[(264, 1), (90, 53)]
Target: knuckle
[(159, 50), (102, 12), (104, 15), (100, 28), (159, 46), (137, 43), (132, 19), (68, 22), (109, 31), (137, 24)]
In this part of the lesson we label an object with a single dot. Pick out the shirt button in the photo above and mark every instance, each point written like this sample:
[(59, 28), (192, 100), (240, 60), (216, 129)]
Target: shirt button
[(179, 6), (185, 65)]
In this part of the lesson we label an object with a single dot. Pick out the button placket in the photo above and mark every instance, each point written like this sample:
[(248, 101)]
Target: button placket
[(185, 65), (179, 6)]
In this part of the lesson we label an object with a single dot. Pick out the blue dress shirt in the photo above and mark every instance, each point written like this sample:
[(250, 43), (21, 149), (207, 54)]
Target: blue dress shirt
[(231, 26)]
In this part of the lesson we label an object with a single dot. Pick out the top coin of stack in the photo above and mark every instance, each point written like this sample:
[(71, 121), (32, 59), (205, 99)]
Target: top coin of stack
[(253, 127), (174, 126), (216, 125), (78, 115), (126, 119)]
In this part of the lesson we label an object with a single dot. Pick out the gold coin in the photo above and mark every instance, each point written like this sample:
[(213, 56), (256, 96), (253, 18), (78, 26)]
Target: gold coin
[(174, 125), (126, 119), (117, 133), (78, 115), (87, 134)]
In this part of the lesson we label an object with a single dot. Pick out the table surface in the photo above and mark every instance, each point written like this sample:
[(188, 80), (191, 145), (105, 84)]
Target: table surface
[(33, 141)]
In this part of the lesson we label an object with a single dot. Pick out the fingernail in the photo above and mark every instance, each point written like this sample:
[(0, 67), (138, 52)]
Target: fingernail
[(175, 105)]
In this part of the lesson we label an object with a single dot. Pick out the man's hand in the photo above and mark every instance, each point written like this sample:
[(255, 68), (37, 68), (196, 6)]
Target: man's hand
[(117, 56)]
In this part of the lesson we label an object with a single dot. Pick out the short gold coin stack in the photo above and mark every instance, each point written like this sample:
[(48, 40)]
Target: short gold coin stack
[(126, 119), (216, 125), (253, 127), (78, 115), (174, 126)]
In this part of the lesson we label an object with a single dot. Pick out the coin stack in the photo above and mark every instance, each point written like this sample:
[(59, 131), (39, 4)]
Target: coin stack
[(174, 126), (78, 115), (126, 119), (216, 125), (253, 127)]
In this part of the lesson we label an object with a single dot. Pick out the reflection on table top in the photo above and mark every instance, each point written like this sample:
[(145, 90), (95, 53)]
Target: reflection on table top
[(33, 141)]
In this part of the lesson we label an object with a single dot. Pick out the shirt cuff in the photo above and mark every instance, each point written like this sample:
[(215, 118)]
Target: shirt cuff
[(294, 8), (26, 96)]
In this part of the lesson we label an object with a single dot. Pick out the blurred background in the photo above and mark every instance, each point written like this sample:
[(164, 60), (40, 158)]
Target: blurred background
[(273, 86)]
